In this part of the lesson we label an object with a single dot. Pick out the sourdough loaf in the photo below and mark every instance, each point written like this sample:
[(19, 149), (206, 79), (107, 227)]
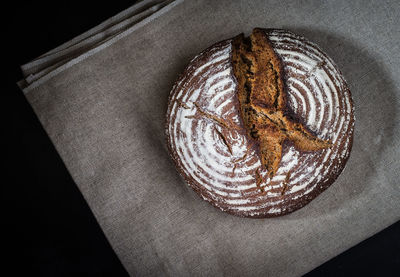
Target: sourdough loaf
[(260, 126)]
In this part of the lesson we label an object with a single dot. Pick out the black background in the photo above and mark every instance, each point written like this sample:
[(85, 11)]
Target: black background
[(52, 231)]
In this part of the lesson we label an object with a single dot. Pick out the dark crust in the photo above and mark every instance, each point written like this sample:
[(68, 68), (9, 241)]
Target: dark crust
[(291, 205)]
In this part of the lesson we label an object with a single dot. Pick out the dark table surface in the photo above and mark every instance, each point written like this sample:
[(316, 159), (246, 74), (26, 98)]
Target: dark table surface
[(52, 227)]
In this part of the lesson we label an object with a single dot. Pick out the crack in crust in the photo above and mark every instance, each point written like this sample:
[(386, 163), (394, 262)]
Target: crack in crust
[(181, 104), (222, 122), (285, 184), (259, 180), (262, 101), (224, 140)]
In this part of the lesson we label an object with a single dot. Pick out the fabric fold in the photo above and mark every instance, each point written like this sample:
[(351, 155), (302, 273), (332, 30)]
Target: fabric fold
[(142, 12)]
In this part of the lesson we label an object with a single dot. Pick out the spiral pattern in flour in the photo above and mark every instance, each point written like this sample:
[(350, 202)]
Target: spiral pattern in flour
[(213, 153)]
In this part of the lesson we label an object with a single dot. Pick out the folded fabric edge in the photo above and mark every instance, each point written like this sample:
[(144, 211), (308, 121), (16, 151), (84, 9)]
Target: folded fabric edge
[(131, 11), (49, 63), (41, 62), (26, 87)]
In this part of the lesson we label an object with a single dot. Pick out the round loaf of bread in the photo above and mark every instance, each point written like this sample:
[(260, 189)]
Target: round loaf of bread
[(260, 126)]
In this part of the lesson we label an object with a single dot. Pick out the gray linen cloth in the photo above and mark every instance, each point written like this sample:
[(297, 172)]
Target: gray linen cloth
[(102, 99)]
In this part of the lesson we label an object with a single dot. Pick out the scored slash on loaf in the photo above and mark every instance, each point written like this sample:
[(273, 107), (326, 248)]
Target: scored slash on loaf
[(211, 146), (262, 99)]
